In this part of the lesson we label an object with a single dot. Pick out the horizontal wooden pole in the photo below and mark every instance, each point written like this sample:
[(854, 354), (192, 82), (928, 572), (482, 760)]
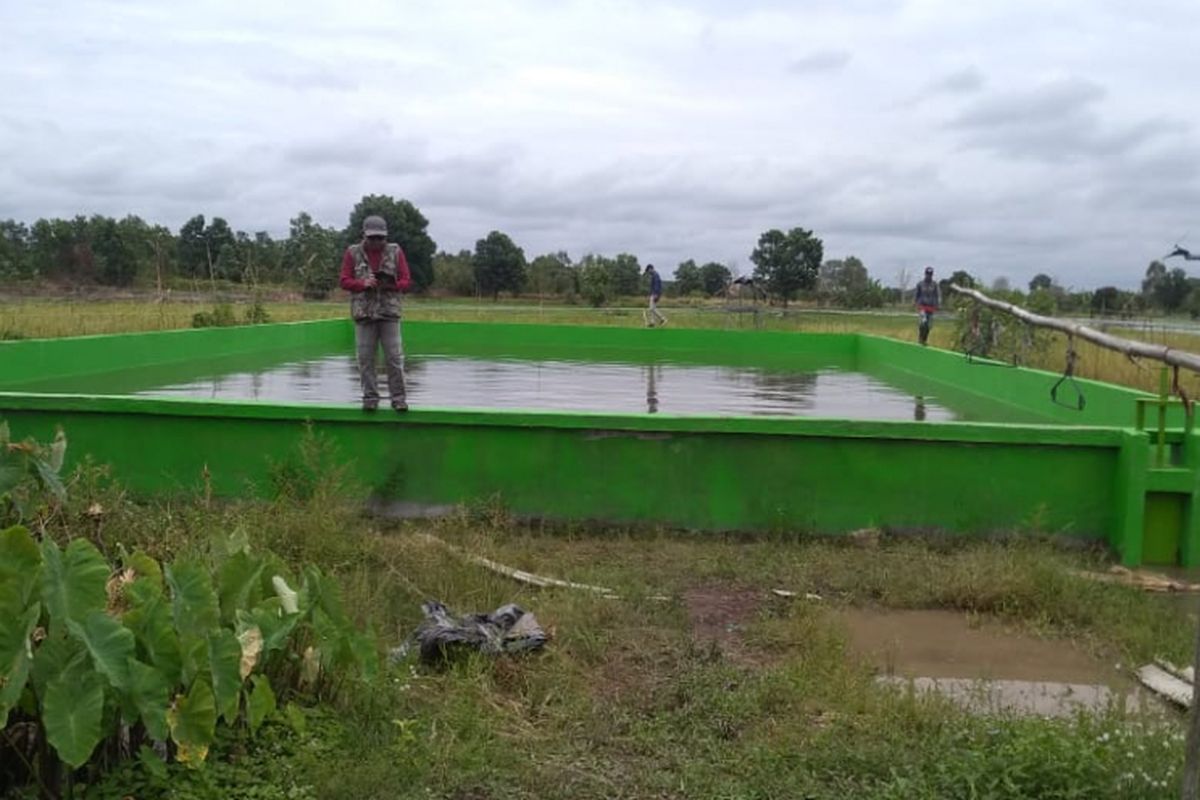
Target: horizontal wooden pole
[(1130, 347)]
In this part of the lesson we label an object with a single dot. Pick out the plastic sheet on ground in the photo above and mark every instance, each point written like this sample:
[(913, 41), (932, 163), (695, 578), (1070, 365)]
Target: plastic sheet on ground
[(508, 629)]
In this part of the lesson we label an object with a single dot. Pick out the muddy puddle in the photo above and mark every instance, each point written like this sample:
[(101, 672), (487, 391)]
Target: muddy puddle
[(944, 644), (987, 668), (982, 666)]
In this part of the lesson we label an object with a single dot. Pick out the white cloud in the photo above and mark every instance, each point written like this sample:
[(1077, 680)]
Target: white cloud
[(1007, 139)]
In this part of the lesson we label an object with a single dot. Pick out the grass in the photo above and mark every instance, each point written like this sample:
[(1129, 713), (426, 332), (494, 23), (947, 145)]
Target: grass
[(629, 700)]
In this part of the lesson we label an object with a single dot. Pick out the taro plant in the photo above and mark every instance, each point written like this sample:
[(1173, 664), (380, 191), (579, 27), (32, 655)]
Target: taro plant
[(29, 473), (98, 661)]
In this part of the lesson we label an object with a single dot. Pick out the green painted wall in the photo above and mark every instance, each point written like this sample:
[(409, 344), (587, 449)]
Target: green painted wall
[(709, 474), (1088, 480)]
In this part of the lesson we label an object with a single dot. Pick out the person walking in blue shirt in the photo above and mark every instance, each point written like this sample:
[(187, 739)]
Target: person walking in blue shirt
[(652, 315)]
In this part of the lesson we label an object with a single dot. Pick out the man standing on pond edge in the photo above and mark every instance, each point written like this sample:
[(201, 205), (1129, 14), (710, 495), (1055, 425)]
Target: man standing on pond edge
[(375, 272), (928, 298)]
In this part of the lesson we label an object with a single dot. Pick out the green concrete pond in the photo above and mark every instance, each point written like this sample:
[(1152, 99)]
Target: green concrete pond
[(698, 429)]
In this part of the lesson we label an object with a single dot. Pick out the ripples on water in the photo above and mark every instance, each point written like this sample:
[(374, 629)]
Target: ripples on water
[(452, 382)]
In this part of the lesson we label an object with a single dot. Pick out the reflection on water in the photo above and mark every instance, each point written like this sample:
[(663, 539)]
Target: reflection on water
[(449, 382), (652, 389)]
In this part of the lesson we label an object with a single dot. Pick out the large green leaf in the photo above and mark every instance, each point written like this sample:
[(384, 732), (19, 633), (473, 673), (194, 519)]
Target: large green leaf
[(193, 720), (195, 657), (150, 692), (20, 564), (275, 625), (331, 598), (56, 654), (110, 644), (150, 621), (73, 582), (239, 584), (225, 661), (16, 654), (260, 702), (192, 598), (333, 641), (73, 712), (149, 573)]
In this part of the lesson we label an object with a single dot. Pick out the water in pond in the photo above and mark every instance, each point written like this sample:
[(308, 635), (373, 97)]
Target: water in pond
[(458, 382)]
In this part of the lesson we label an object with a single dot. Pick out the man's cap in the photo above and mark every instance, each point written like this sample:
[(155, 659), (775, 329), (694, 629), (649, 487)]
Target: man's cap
[(929, 270), (648, 268), (374, 226)]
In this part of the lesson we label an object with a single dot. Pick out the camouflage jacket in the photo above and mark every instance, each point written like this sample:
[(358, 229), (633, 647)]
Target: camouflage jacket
[(376, 303)]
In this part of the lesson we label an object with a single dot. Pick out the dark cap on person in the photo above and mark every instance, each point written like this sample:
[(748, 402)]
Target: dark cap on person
[(648, 268), (929, 270), (374, 226)]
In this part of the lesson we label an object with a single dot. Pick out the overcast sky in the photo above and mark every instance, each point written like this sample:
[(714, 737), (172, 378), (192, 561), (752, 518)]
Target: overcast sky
[(1005, 138)]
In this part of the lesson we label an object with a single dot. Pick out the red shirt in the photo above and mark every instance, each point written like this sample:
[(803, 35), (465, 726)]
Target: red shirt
[(352, 284)]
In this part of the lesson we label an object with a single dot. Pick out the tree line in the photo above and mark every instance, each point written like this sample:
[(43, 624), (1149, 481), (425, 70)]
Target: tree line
[(788, 265)]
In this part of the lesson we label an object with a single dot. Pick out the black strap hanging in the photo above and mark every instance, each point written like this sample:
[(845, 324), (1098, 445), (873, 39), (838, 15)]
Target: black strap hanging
[(1068, 377)]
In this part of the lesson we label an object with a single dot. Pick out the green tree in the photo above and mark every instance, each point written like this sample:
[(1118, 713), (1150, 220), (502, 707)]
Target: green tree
[(847, 283), (15, 258), (595, 280), (114, 256), (688, 279), (1192, 304), (625, 275), (1040, 281), (59, 249), (453, 274), (192, 248), (219, 236), (255, 259), (161, 262), (715, 277), (499, 265), (1106, 300), (199, 246), (311, 254), (1156, 275), (150, 247), (553, 273), (959, 278), (1172, 291), (787, 263), (406, 227)]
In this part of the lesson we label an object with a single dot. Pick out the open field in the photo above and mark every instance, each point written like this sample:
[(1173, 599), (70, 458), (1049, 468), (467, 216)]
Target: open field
[(34, 318)]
